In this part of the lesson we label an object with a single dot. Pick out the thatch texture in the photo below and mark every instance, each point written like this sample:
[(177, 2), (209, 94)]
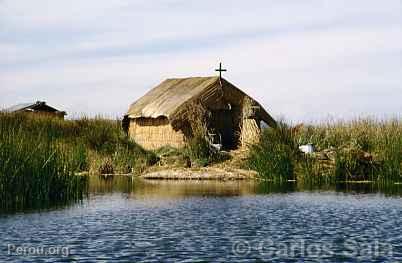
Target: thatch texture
[(161, 117), (250, 132), (170, 98), (250, 127), (153, 133)]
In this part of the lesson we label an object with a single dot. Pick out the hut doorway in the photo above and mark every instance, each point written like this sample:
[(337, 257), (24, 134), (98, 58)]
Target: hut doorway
[(222, 125)]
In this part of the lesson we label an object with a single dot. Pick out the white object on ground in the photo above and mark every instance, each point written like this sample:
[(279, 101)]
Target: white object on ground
[(307, 148), (217, 147)]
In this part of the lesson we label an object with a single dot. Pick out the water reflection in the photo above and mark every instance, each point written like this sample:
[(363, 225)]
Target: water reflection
[(136, 187)]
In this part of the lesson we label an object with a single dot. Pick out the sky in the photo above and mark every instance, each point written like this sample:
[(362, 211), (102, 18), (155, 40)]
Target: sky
[(304, 61)]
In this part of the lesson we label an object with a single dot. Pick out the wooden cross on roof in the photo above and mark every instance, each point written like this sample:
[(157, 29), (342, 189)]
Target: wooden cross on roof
[(220, 70)]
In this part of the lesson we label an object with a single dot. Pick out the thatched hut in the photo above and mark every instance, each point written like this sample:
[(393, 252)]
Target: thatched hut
[(165, 115), (38, 107)]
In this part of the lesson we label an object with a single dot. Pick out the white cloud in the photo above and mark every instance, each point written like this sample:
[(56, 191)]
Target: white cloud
[(302, 59)]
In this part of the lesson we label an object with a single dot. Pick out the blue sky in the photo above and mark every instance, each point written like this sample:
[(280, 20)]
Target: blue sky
[(303, 60)]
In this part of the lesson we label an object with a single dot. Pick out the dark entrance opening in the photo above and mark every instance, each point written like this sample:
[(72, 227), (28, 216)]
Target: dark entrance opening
[(223, 127)]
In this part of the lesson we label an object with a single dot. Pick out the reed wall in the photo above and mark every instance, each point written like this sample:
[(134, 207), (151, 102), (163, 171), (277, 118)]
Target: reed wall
[(250, 132), (153, 133)]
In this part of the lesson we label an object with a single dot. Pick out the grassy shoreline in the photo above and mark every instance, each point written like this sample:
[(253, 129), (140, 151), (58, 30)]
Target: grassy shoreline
[(40, 157), (359, 150)]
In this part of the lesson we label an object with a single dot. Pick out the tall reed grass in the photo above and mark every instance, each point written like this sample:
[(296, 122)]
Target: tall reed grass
[(362, 149), (34, 171), (40, 157), (273, 156)]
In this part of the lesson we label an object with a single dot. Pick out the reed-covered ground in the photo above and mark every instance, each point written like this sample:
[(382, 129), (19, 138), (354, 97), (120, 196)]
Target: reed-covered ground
[(40, 157), (359, 150)]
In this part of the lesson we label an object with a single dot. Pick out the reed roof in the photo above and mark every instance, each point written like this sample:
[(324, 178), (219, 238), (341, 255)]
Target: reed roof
[(34, 106), (170, 97)]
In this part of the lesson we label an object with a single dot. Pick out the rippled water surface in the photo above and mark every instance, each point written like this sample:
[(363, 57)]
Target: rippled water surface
[(133, 221)]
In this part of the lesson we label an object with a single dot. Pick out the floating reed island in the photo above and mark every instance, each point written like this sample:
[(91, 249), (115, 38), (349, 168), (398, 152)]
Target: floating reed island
[(201, 116), (45, 160)]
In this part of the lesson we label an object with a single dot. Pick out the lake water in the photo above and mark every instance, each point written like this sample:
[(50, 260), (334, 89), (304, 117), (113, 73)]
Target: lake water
[(184, 221)]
